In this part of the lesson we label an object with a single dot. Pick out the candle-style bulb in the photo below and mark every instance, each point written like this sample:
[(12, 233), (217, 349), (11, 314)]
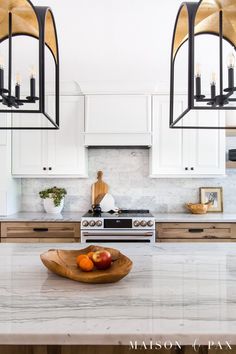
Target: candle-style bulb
[(231, 61), (32, 72), (198, 70), (213, 78), (1, 62), (18, 79), (1, 74), (32, 82)]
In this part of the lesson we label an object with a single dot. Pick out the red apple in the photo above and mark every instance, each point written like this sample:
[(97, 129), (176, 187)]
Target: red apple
[(102, 259)]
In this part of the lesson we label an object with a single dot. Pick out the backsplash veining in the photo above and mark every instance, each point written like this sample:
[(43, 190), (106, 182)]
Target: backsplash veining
[(126, 171)]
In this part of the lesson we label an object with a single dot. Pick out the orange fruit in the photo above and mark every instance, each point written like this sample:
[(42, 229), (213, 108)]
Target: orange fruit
[(90, 255), (80, 257), (86, 264)]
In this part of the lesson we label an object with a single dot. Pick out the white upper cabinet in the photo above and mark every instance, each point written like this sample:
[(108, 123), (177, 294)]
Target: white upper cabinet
[(66, 152), (117, 120), (29, 147), (53, 153), (9, 187), (185, 152)]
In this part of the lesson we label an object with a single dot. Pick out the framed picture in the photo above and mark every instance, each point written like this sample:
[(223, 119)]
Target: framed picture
[(213, 195)]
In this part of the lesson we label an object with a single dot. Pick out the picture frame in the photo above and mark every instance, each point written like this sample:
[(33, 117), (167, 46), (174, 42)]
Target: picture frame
[(214, 194)]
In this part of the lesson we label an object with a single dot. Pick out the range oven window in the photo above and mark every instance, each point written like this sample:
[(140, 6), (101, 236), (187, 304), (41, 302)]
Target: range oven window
[(117, 223)]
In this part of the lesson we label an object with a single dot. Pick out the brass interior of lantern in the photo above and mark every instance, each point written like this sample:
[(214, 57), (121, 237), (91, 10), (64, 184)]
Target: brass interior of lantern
[(25, 22), (207, 21), (181, 31), (50, 34)]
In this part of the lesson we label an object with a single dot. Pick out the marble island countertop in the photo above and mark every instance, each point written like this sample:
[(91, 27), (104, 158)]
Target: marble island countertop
[(76, 217), (176, 292)]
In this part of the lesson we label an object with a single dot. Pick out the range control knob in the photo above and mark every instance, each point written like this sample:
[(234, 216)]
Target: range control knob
[(143, 223), (99, 222), (85, 223), (92, 223), (136, 223), (150, 223)]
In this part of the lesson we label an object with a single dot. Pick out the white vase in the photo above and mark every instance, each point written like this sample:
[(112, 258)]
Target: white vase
[(50, 208)]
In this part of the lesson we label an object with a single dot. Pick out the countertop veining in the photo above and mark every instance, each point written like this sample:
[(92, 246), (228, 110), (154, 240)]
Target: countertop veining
[(182, 292), (187, 217), (43, 217), (76, 217)]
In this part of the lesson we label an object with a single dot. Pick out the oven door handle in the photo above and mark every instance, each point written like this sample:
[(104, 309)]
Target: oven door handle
[(114, 233)]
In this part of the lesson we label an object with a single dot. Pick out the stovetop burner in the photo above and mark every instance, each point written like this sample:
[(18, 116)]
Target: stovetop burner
[(120, 213)]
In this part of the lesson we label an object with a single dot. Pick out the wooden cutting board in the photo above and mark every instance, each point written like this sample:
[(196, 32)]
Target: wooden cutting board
[(99, 189)]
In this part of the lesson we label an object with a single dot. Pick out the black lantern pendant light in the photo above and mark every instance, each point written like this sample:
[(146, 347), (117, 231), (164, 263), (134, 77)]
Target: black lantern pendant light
[(21, 18), (206, 17)]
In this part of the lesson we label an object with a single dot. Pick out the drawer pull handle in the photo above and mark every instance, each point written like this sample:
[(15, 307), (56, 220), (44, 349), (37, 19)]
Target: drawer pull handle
[(40, 229), (195, 230)]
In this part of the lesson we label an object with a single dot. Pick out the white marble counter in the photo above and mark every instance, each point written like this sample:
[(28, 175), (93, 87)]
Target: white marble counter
[(76, 217), (188, 217), (177, 292), (43, 217)]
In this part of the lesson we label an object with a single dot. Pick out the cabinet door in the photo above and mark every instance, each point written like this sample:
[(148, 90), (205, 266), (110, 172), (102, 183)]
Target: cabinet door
[(60, 152), (118, 120), (206, 146), (40, 232), (29, 148), (66, 151), (185, 152), (4, 133), (168, 155), (195, 232)]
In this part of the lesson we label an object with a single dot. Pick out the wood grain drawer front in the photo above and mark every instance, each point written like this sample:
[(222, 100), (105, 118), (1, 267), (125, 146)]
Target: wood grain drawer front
[(195, 240), (196, 231), (37, 240), (40, 231)]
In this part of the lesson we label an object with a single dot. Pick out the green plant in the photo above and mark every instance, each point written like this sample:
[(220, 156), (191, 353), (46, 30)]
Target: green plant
[(57, 194)]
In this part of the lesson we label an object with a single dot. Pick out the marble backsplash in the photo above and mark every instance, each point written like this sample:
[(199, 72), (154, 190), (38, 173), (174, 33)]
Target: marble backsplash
[(126, 171)]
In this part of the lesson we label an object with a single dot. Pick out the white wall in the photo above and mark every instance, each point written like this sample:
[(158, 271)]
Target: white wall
[(115, 44), (121, 45)]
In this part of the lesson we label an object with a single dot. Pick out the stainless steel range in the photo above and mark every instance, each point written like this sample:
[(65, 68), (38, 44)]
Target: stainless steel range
[(124, 226)]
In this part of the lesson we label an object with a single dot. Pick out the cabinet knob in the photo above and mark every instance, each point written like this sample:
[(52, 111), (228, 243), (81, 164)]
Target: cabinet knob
[(44, 168), (50, 168), (186, 168), (192, 168)]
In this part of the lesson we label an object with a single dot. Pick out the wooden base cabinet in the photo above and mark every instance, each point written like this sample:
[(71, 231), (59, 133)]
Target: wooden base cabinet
[(107, 349), (30, 232), (196, 232)]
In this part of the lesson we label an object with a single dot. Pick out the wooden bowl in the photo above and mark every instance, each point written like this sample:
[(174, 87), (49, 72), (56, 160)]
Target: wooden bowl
[(63, 263), (197, 208)]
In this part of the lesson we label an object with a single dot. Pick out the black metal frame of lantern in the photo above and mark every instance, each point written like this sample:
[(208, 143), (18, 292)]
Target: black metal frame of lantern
[(15, 102), (215, 102)]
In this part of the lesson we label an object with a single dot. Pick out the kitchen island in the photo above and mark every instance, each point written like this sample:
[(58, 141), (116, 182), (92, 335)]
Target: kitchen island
[(176, 294)]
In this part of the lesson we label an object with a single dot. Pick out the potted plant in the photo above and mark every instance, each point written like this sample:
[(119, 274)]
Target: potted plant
[(53, 199)]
